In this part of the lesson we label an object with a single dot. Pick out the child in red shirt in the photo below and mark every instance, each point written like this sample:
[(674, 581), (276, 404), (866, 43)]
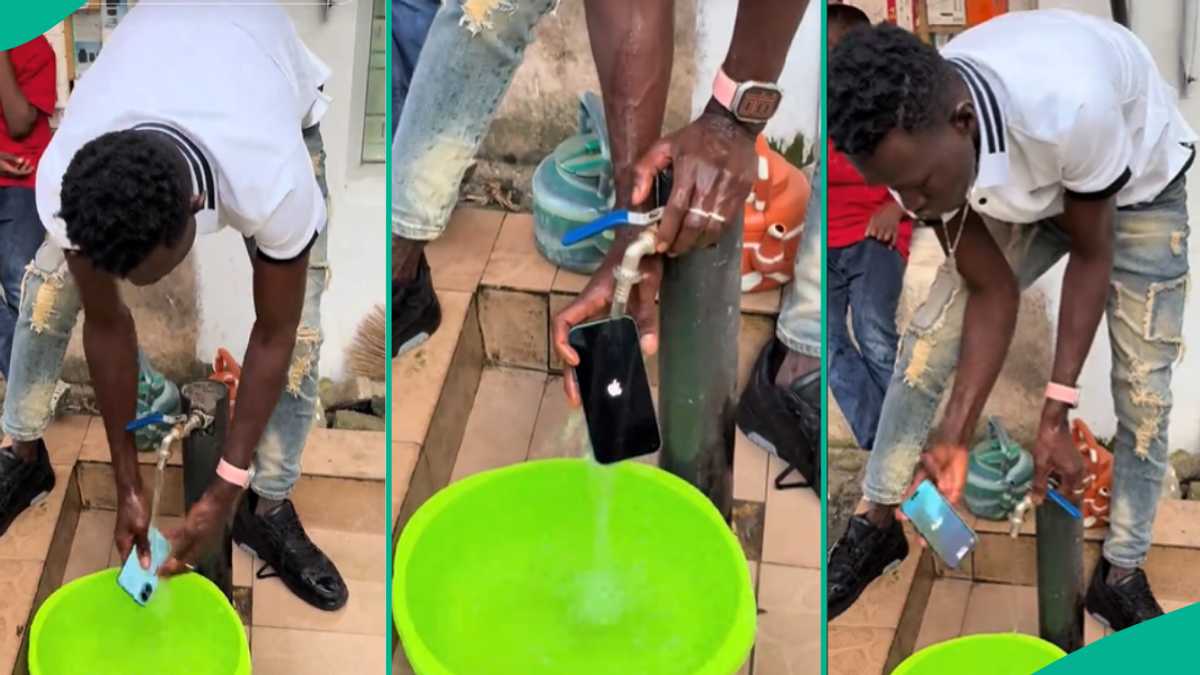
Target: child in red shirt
[(27, 96), (868, 238)]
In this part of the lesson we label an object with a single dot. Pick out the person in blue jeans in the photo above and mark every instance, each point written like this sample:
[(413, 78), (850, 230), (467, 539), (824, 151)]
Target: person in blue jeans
[(868, 239), (410, 26), (27, 97), (1022, 157)]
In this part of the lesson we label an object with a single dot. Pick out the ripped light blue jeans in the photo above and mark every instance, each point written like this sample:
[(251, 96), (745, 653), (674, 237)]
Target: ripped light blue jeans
[(1145, 324), (50, 305), (799, 324), (466, 65)]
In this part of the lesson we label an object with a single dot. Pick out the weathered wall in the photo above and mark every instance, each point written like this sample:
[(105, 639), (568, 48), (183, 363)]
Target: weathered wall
[(541, 106)]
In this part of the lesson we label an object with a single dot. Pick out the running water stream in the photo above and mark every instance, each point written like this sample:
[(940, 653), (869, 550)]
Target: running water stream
[(599, 596)]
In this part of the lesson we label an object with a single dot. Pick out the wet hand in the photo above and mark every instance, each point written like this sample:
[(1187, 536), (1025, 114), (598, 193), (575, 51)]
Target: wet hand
[(133, 521), (714, 165), (945, 465), (204, 524), (1054, 452), (594, 302)]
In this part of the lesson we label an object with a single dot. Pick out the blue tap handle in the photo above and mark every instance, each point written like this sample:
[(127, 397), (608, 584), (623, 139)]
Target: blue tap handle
[(608, 221), (1062, 502), (152, 419), (148, 420)]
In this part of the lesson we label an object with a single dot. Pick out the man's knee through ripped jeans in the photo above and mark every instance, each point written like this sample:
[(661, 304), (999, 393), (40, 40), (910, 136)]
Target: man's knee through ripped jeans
[(469, 57)]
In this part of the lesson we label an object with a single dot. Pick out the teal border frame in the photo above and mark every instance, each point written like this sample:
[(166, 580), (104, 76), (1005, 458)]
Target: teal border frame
[(821, 131), (389, 655)]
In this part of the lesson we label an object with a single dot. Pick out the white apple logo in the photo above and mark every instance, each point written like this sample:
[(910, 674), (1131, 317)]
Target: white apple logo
[(614, 389)]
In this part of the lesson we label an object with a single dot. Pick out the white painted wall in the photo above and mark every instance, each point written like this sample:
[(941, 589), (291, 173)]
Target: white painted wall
[(1158, 25), (358, 235), (801, 78)]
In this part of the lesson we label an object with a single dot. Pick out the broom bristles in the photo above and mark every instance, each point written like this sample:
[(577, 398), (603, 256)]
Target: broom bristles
[(368, 354)]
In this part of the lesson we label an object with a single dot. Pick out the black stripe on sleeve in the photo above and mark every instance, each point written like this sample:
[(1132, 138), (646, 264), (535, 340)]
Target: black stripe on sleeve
[(1107, 192)]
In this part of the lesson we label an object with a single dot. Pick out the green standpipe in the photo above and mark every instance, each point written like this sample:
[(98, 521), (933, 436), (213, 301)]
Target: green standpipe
[(1060, 577), (700, 315), (201, 452)]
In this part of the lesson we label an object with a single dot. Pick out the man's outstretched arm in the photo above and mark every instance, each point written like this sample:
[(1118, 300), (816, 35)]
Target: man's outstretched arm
[(110, 345)]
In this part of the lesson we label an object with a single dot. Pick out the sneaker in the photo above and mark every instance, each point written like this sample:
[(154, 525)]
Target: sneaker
[(22, 484), (784, 422), (416, 314), (278, 539), (1123, 604), (862, 555)]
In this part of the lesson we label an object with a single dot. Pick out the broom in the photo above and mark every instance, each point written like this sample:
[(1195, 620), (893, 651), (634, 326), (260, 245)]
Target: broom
[(368, 353)]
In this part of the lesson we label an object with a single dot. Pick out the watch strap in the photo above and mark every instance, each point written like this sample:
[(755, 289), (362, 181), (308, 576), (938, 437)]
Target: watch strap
[(724, 89)]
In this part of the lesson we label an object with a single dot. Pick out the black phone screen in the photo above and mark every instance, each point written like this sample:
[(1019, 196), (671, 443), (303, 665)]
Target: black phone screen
[(615, 391)]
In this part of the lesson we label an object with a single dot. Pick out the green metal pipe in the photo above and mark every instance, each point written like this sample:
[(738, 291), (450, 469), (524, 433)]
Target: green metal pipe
[(201, 452), (1060, 577), (700, 316)]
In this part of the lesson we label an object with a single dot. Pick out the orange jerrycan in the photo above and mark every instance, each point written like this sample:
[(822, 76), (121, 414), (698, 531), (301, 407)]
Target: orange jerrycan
[(773, 222)]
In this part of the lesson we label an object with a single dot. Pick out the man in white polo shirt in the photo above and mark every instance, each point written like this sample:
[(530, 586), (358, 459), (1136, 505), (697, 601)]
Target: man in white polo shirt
[(1033, 136), (190, 120)]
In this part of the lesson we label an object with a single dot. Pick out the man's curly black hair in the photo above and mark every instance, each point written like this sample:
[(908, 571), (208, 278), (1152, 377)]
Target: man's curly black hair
[(124, 194), (882, 78)]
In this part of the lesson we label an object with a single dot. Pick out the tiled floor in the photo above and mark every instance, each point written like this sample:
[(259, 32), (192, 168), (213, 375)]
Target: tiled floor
[(958, 607), (287, 637), (520, 413)]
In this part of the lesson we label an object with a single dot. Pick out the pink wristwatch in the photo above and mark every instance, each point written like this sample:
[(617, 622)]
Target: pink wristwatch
[(233, 475), (1063, 394), (750, 102)]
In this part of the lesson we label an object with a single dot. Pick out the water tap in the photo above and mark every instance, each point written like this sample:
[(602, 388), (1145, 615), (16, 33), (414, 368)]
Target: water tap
[(628, 273), (1017, 519)]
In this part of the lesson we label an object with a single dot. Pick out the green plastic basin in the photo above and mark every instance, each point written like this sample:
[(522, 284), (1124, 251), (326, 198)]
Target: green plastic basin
[(989, 654), (564, 566), (91, 626)]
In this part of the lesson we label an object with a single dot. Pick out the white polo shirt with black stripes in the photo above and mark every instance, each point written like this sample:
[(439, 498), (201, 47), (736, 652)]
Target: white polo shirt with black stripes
[(1066, 103), (232, 89)]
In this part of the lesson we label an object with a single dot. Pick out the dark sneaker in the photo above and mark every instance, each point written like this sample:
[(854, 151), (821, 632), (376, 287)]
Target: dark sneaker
[(416, 313), (278, 539), (22, 484), (1123, 604), (784, 422), (862, 555)]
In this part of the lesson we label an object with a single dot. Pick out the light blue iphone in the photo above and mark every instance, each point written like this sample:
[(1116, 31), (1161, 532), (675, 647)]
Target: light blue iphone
[(940, 525), (140, 583)]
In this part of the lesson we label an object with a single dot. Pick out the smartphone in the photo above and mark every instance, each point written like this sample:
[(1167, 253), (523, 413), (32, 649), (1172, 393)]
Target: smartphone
[(940, 525), (141, 583), (615, 390)]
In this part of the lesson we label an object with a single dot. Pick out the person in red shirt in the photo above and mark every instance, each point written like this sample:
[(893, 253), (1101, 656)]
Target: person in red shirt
[(27, 96), (867, 237)]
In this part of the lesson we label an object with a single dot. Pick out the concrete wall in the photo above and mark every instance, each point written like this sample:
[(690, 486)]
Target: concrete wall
[(206, 303), (540, 108), (358, 235)]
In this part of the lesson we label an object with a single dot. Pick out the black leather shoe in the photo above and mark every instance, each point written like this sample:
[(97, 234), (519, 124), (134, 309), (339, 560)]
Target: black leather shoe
[(416, 313), (1123, 604), (862, 555), (784, 422), (23, 484), (278, 539)]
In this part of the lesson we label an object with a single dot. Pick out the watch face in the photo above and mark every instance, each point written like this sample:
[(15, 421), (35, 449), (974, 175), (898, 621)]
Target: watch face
[(758, 103)]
